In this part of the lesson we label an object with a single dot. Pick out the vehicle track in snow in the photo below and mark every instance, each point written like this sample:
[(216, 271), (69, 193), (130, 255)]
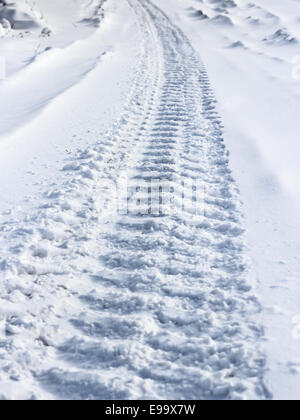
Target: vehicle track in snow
[(145, 306)]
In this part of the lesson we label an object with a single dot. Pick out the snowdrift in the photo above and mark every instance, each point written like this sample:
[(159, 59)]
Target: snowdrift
[(12, 17)]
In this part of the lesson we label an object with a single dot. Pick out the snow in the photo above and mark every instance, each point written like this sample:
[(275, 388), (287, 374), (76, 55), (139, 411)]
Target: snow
[(109, 296), (257, 88)]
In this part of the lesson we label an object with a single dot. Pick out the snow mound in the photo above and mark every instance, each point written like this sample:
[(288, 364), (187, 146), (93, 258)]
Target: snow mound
[(199, 15), (223, 5), (281, 37), (253, 21), (238, 44), (222, 20), (13, 17)]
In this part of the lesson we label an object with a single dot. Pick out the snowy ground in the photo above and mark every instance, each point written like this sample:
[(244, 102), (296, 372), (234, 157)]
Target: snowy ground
[(255, 76), (151, 301)]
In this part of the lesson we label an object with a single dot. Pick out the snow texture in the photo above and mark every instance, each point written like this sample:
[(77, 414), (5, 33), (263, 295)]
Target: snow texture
[(135, 306), (128, 269)]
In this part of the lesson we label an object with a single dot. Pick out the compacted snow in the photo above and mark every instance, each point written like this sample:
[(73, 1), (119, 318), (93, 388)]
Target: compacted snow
[(125, 268)]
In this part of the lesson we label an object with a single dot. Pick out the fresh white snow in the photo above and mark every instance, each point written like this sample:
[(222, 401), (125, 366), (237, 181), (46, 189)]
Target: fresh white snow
[(149, 300)]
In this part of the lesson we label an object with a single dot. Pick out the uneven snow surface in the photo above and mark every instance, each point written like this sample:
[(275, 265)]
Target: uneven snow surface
[(149, 304), (125, 268)]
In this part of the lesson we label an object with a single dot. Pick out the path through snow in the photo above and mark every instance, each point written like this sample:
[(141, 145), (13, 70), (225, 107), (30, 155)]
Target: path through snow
[(153, 303)]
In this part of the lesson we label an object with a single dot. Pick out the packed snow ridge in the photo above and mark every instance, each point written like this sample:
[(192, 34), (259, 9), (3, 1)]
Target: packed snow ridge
[(124, 269)]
